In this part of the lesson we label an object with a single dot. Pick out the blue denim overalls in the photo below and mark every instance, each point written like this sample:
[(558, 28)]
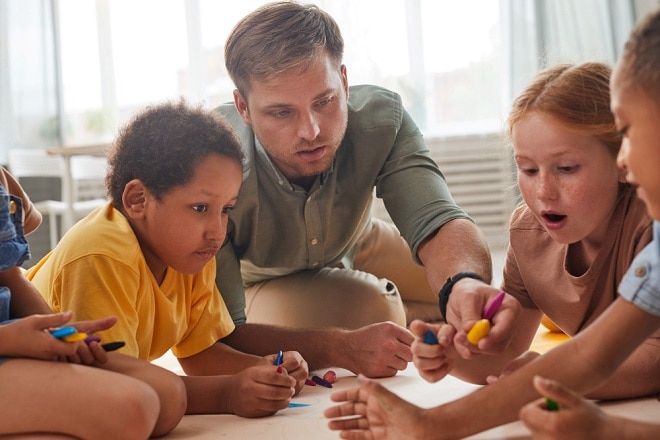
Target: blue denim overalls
[(14, 249)]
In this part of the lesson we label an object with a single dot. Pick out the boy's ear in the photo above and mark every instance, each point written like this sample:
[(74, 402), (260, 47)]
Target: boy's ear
[(134, 199)]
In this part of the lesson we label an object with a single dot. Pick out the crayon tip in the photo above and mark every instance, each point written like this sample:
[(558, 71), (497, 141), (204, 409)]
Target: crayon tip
[(551, 404), (430, 338), (493, 306)]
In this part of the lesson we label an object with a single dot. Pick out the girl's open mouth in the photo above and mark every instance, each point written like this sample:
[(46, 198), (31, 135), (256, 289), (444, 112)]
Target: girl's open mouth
[(554, 218)]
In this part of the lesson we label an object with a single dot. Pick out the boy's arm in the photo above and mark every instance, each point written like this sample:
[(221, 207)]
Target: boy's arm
[(218, 359), (25, 298), (637, 376)]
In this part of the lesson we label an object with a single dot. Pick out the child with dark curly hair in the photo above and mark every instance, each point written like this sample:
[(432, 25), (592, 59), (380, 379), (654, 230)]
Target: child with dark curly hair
[(148, 257)]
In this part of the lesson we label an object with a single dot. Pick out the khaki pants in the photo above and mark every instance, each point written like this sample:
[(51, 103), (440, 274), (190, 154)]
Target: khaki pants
[(385, 284)]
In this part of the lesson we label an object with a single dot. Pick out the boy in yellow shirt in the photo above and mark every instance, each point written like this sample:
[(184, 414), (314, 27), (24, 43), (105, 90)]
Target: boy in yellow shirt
[(148, 258)]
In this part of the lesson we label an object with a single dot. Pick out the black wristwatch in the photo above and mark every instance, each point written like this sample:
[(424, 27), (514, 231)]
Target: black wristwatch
[(443, 295)]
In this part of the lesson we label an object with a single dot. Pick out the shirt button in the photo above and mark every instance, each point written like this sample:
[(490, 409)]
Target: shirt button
[(640, 271), (314, 242)]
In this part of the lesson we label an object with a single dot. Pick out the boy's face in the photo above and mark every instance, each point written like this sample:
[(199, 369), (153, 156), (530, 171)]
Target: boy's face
[(637, 115), (186, 228)]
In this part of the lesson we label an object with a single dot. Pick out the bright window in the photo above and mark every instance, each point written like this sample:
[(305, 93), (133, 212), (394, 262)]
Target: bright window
[(118, 56)]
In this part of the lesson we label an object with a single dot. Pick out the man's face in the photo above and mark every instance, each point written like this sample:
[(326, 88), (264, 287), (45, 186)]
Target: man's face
[(299, 117)]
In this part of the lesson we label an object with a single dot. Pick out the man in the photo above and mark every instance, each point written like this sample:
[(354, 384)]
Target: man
[(320, 274)]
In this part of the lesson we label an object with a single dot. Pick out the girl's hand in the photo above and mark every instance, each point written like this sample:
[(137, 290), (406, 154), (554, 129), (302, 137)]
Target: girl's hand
[(434, 361), (30, 337), (92, 352)]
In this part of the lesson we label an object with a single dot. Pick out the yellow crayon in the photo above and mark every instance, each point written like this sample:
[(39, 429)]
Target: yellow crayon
[(79, 336), (478, 331)]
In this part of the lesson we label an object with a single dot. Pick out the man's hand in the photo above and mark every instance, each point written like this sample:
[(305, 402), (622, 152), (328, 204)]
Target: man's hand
[(466, 305), (377, 350)]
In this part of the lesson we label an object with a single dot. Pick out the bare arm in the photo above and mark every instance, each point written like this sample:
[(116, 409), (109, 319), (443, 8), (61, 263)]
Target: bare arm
[(219, 359), (457, 246), (377, 350), (26, 299), (637, 376), (254, 392)]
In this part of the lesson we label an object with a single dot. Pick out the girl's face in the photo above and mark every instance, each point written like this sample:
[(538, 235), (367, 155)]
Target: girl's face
[(186, 228), (569, 180), (637, 115)]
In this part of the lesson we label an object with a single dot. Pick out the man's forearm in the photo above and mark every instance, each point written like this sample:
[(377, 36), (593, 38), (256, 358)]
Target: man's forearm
[(458, 246), (261, 340)]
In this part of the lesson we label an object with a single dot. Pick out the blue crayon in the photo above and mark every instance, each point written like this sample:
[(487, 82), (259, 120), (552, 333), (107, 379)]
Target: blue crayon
[(297, 405), (430, 338), (321, 381), (62, 332)]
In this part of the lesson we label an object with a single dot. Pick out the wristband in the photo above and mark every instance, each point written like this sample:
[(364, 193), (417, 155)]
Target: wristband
[(443, 295)]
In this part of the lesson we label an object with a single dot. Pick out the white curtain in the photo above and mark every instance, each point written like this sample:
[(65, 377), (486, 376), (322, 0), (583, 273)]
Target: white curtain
[(547, 32), (29, 108)]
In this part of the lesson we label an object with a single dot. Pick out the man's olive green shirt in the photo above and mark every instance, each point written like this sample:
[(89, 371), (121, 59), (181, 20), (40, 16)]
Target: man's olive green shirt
[(278, 228)]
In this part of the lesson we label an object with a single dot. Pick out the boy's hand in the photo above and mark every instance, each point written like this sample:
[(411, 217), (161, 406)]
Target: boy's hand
[(295, 365), (260, 391), (576, 417)]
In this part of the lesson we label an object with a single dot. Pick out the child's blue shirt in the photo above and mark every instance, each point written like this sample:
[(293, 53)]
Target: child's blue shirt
[(641, 283)]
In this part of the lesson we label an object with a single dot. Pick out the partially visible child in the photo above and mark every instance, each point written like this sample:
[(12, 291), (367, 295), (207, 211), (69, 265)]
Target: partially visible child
[(636, 108), (595, 353), (41, 397), (148, 257)]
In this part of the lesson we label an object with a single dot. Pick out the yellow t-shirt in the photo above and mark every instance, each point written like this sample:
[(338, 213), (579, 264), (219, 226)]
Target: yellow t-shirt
[(98, 269)]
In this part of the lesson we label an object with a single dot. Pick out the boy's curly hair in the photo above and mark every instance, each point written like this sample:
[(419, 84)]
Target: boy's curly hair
[(162, 145)]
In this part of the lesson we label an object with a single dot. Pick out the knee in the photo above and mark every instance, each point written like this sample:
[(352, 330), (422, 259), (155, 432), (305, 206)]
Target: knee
[(138, 410), (375, 301), (173, 402), (331, 297)]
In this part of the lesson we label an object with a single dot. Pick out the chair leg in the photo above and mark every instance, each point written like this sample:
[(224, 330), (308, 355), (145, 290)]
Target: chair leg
[(52, 230)]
